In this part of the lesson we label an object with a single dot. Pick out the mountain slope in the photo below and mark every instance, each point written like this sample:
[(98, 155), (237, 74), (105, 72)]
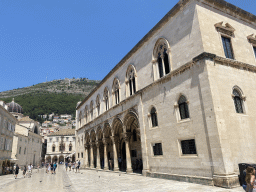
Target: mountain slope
[(59, 96)]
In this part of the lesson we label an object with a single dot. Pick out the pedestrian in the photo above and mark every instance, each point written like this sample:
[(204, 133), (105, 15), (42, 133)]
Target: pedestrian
[(250, 179), (69, 165), (24, 171), (66, 164), (54, 167), (38, 168), (49, 168), (29, 170), (78, 167), (14, 168), (73, 166), (17, 171)]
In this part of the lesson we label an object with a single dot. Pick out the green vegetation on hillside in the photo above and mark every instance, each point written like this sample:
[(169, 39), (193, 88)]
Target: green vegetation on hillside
[(36, 103)]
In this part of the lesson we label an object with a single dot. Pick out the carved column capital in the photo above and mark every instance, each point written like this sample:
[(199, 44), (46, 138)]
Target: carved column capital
[(114, 139), (86, 145), (105, 141), (138, 131), (97, 143), (127, 136), (92, 144)]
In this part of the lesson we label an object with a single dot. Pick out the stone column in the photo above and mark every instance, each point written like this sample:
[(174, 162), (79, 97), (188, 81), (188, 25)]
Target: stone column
[(86, 146), (91, 155), (98, 155), (115, 141), (105, 143), (127, 137)]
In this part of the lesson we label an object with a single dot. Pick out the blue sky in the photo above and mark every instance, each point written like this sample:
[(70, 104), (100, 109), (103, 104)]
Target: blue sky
[(73, 38)]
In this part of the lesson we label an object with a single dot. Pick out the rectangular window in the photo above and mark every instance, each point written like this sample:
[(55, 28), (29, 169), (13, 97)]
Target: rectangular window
[(66, 138), (82, 155), (78, 155), (20, 150), (227, 47), (157, 149), (254, 48), (188, 147)]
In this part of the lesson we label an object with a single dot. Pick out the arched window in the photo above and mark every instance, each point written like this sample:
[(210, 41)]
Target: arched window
[(183, 107), (70, 147), (154, 117), (80, 118), (134, 135), (98, 104), (53, 148), (86, 114), (238, 101), (91, 109), (131, 80), (62, 147), (106, 98), (161, 57), (116, 87)]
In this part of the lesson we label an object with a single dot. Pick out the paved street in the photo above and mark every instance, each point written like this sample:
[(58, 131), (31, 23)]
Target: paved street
[(93, 181)]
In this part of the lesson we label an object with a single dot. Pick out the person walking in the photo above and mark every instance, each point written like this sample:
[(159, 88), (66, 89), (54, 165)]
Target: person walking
[(54, 167), (24, 171), (14, 168), (73, 166), (29, 170), (17, 171), (66, 164), (49, 168), (250, 179), (78, 167), (69, 165)]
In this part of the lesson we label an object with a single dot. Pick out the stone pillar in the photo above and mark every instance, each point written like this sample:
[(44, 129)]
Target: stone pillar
[(105, 143), (98, 155), (115, 141), (91, 155), (127, 137), (86, 146)]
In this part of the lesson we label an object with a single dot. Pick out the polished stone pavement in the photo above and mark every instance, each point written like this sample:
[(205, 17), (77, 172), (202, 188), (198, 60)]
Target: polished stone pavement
[(94, 181)]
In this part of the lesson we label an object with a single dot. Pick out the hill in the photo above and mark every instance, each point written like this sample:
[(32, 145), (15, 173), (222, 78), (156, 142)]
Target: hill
[(58, 96)]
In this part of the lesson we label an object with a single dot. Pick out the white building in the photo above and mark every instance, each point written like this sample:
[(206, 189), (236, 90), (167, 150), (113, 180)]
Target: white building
[(181, 102), (7, 128), (60, 146)]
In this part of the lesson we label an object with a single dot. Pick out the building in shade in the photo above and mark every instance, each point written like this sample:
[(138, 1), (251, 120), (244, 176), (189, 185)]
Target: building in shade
[(180, 104), (61, 146), (7, 129)]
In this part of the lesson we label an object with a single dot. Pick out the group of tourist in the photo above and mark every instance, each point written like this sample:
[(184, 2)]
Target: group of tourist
[(27, 171), (73, 165), (51, 167)]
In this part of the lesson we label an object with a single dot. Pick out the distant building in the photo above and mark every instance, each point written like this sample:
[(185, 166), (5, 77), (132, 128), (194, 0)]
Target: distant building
[(61, 146), (7, 128)]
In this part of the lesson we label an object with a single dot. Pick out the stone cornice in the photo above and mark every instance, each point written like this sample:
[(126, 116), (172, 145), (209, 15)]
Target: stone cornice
[(252, 39), (220, 4)]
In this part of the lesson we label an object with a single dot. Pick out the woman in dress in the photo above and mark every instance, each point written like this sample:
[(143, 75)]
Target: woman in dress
[(73, 166), (250, 179), (24, 171), (17, 171)]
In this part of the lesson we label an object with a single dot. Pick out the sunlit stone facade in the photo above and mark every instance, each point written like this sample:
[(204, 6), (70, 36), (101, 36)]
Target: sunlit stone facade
[(181, 101)]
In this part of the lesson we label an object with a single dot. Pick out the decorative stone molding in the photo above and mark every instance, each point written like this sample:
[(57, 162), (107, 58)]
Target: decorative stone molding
[(227, 29), (252, 39), (114, 139), (86, 146), (127, 136)]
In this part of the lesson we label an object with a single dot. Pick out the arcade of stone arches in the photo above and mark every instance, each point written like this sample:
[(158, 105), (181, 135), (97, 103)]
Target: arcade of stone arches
[(60, 158), (116, 147)]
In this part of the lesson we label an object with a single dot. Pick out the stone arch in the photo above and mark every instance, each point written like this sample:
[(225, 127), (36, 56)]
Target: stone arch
[(61, 159), (48, 159), (132, 128), (55, 159), (117, 126), (131, 80)]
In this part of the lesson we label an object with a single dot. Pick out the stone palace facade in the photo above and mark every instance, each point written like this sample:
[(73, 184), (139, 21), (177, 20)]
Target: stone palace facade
[(180, 104)]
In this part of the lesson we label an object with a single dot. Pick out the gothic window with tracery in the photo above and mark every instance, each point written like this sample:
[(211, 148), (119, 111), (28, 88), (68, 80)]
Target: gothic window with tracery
[(70, 147), (106, 98), (162, 57), (154, 117), (116, 87), (238, 101), (53, 148), (131, 80), (86, 114), (91, 109), (98, 104), (80, 118), (183, 107)]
